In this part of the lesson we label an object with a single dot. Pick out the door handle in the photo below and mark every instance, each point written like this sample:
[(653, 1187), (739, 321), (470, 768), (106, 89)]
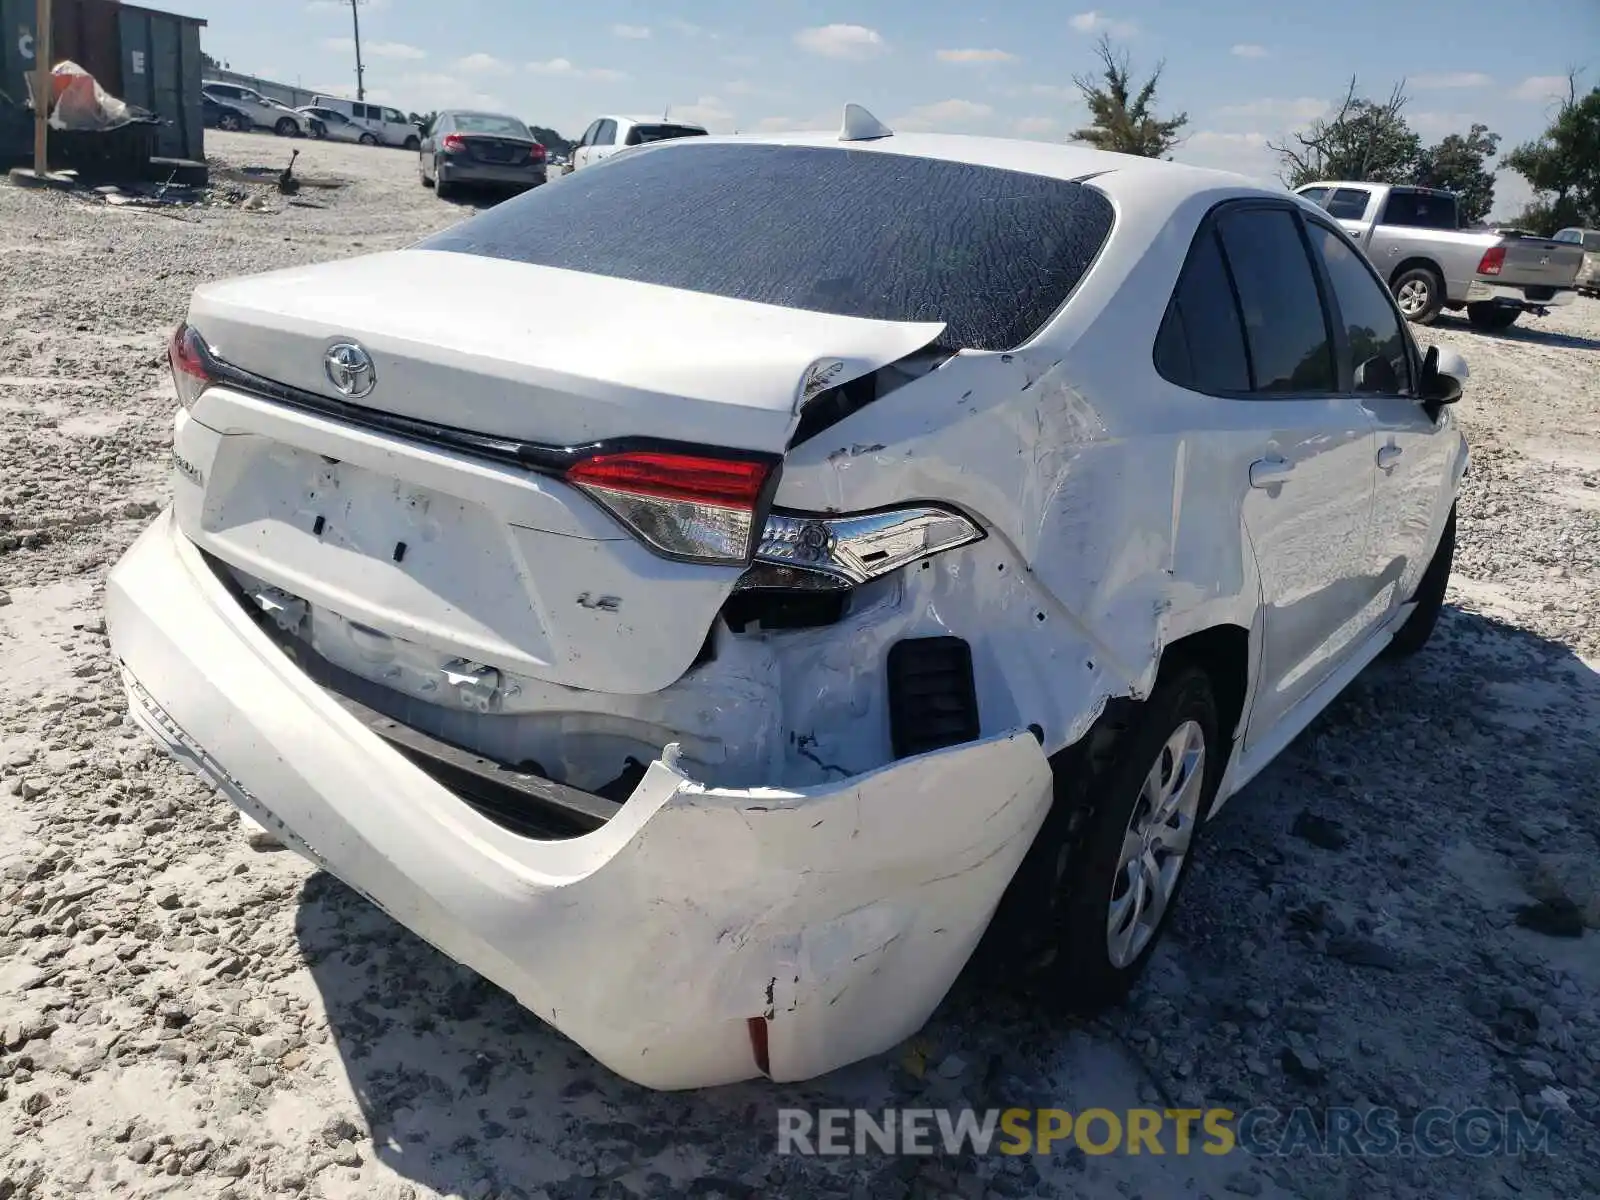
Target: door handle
[(1388, 456), (1266, 472)]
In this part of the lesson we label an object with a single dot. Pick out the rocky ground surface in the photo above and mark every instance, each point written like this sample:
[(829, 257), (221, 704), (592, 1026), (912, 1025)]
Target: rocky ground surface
[(1400, 912)]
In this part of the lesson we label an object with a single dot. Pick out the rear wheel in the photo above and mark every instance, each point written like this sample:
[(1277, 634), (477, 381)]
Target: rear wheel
[(1122, 835), (441, 188), (1492, 316), (1414, 634), (1419, 293), (422, 174), (368, 139), (286, 127), (413, 144), (230, 122)]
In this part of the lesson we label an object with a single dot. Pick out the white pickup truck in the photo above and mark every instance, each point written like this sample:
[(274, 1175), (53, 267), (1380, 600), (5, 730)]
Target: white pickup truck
[(1414, 237)]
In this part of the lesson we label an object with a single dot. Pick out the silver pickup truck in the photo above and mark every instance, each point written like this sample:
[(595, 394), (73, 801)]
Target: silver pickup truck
[(1414, 237)]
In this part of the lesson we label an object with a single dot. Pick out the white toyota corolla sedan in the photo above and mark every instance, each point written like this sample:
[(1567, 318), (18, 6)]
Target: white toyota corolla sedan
[(706, 596)]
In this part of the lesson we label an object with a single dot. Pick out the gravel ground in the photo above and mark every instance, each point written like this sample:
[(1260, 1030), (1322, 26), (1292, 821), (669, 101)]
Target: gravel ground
[(180, 1013)]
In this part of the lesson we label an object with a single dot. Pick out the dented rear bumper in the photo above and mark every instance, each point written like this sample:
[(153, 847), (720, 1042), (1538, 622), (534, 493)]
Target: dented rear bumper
[(701, 936)]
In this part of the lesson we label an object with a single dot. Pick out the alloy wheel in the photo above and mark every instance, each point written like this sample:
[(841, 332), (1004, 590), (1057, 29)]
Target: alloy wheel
[(1156, 842)]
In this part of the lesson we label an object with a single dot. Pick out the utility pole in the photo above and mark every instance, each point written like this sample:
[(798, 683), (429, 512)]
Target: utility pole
[(43, 86), (355, 20)]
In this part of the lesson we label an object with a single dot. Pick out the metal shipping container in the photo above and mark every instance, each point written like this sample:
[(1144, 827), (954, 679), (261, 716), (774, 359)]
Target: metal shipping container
[(146, 57), (161, 72)]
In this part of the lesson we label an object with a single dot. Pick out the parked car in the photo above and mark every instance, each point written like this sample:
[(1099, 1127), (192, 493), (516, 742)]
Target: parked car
[(465, 148), (1414, 237), (217, 115), (379, 124), (1588, 281), (331, 124), (260, 112), (702, 625), (606, 135)]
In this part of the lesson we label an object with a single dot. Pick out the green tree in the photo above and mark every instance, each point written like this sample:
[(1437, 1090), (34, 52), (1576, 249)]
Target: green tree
[(1364, 140), (1457, 163), (1563, 165), (550, 139), (1121, 118)]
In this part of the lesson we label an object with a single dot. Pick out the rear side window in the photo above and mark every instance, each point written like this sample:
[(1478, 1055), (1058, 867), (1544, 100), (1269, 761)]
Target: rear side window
[(606, 135), (859, 233), (1285, 328), (1420, 210), (1378, 359), (1201, 343), (1591, 243), (1314, 194), (1348, 204)]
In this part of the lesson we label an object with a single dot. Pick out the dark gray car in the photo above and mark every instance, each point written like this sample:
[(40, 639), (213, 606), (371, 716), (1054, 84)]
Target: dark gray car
[(465, 148)]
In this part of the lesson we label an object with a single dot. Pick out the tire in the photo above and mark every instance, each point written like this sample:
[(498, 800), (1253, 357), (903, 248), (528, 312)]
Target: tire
[(1098, 955), (1419, 292), (319, 131), (1414, 634), (230, 123), (422, 174), (368, 139), (1491, 317), (442, 189), (413, 144), (286, 127)]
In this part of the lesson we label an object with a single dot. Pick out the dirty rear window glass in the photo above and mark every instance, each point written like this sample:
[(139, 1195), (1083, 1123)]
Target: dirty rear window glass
[(856, 233), (491, 124), (640, 134)]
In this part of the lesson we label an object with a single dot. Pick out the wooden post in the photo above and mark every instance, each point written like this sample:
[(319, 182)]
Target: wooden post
[(43, 85)]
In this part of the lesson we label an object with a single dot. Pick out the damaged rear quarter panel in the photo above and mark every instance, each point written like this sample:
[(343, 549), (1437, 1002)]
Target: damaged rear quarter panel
[(1111, 508)]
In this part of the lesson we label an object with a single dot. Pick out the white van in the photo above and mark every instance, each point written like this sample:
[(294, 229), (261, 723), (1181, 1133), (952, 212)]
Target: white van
[(381, 125)]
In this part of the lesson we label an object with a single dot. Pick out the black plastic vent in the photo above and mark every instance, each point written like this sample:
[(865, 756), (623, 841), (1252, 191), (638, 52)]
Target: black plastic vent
[(933, 702)]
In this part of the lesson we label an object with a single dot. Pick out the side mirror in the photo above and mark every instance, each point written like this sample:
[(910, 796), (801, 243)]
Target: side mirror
[(1443, 373)]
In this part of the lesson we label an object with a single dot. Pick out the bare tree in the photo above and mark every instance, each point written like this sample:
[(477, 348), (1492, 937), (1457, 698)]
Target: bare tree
[(1363, 140), (1121, 118)]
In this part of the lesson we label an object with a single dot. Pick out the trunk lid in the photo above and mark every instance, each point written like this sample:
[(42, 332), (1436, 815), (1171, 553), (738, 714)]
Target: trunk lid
[(501, 151), (1533, 261), (420, 564), (541, 353)]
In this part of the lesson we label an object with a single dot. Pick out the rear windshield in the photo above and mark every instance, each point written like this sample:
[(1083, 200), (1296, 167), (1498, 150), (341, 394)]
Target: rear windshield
[(640, 134), (857, 233), (489, 124), (1420, 210)]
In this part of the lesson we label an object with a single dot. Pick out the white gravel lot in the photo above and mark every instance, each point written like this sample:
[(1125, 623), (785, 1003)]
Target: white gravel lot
[(181, 1014)]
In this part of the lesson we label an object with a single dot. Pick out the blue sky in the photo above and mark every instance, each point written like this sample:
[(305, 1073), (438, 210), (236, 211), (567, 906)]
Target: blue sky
[(1246, 71)]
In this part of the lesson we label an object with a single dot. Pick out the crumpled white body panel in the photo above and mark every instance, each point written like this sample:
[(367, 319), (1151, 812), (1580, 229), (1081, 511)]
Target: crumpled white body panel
[(838, 915)]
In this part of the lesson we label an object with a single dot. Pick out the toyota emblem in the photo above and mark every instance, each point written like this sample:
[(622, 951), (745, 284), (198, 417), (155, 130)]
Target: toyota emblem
[(349, 368)]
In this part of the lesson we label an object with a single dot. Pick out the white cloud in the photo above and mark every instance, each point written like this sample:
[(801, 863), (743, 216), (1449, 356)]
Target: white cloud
[(1248, 50), (1303, 108), (1246, 153), (1035, 126), (570, 70), (427, 90), (1439, 123), (690, 29), (482, 64), (944, 113), (708, 111), (1540, 87), (1096, 22), (974, 56), (398, 50), (1450, 79), (841, 41), (634, 32)]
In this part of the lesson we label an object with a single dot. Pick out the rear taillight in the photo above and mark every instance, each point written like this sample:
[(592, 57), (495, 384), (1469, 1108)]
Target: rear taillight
[(191, 373), (453, 143), (686, 506), (536, 153), (816, 551), (1491, 262)]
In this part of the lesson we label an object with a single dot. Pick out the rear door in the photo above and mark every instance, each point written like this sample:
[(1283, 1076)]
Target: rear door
[(580, 152), (1413, 482), (1352, 208), (1250, 313)]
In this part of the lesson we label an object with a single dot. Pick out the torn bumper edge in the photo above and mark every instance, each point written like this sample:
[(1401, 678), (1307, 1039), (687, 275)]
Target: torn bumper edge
[(697, 932)]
